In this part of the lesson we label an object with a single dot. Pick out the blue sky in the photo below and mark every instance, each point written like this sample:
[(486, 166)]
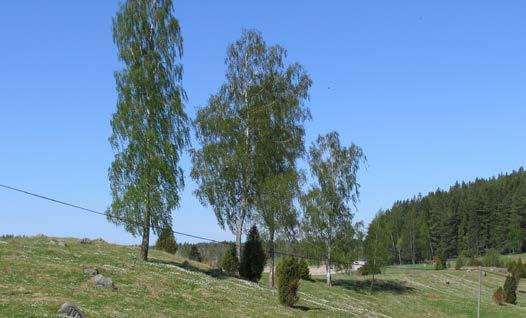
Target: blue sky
[(433, 93)]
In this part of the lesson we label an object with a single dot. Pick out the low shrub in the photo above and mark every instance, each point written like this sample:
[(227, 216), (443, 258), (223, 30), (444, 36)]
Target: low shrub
[(230, 263), (498, 296), (166, 241), (288, 274), (474, 262), (369, 269), (492, 258), (440, 263), (304, 269), (459, 263)]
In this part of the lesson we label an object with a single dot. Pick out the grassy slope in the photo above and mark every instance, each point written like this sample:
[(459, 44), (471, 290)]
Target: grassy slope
[(36, 277)]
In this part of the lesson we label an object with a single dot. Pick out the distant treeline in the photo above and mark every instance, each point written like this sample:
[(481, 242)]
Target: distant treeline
[(467, 220)]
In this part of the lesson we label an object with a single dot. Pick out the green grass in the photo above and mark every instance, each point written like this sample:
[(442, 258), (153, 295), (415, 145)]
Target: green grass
[(36, 278)]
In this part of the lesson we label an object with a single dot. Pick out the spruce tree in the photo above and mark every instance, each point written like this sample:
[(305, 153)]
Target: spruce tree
[(230, 263), (304, 269), (459, 263), (253, 257), (166, 241), (194, 254), (510, 289)]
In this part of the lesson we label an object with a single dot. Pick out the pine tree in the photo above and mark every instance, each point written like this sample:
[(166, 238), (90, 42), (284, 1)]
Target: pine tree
[(230, 263), (253, 257), (166, 241), (459, 263), (288, 272)]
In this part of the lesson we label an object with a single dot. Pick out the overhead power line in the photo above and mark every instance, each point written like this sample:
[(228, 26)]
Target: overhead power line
[(122, 220)]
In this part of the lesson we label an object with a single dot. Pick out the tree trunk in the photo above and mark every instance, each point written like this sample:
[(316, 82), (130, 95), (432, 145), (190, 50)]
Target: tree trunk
[(272, 273), (328, 266), (143, 254), (239, 230)]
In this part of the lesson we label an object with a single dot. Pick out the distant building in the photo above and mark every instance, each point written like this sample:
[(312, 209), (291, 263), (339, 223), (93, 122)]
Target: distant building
[(356, 265)]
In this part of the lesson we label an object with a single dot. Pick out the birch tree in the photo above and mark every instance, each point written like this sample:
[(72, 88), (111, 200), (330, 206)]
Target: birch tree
[(150, 127), (327, 214), (251, 129)]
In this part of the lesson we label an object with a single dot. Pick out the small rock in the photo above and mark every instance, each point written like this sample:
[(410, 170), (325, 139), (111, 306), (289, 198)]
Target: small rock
[(70, 310), (57, 242), (85, 241), (91, 270), (101, 281)]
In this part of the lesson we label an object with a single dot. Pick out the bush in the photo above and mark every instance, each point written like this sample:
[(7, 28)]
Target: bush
[(304, 269), (459, 263), (440, 263), (230, 263), (288, 274), (498, 296), (194, 254), (166, 241), (369, 269), (474, 262), (492, 258), (253, 257), (510, 289), (517, 269)]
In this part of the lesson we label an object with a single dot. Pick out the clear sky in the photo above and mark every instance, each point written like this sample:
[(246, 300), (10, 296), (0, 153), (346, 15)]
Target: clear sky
[(433, 93)]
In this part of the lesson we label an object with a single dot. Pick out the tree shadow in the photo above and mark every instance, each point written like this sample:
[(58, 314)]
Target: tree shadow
[(212, 272), (305, 308), (380, 285)]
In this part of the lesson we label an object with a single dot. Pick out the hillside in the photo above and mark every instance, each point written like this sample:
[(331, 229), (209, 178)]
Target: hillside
[(36, 277)]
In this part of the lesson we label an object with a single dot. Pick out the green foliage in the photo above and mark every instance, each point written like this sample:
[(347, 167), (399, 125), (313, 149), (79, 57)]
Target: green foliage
[(150, 128), (230, 263), (465, 219), (440, 263), (498, 296), (288, 275), (253, 257), (166, 241), (369, 269), (251, 129), (510, 289), (517, 269), (194, 254), (474, 262), (304, 269), (459, 263), (327, 213), (492, 258)]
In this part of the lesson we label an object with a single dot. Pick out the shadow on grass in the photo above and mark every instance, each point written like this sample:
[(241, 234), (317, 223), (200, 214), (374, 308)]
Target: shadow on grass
[(305, 308), (213, 272), (364, 286)]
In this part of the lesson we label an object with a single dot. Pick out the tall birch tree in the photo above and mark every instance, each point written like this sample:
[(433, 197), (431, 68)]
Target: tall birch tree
[(327, 214), (257, 114), (150, 127)]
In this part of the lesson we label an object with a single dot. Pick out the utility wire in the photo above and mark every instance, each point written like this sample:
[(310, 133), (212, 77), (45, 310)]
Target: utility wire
[(123, 220)]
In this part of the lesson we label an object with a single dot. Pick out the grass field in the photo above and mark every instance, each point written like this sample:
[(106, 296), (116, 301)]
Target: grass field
[(37, 277)]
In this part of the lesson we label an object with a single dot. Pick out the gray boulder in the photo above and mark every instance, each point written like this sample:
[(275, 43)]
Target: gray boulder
[(91, 270), (70, 310), (101, 281)]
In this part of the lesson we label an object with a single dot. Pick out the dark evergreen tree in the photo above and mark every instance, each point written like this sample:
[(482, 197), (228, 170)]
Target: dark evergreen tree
[(166, 241), (194, 254), (510, 289), (289, 273), (230, 263), (304, 269), (253, 257), (459, 263)]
